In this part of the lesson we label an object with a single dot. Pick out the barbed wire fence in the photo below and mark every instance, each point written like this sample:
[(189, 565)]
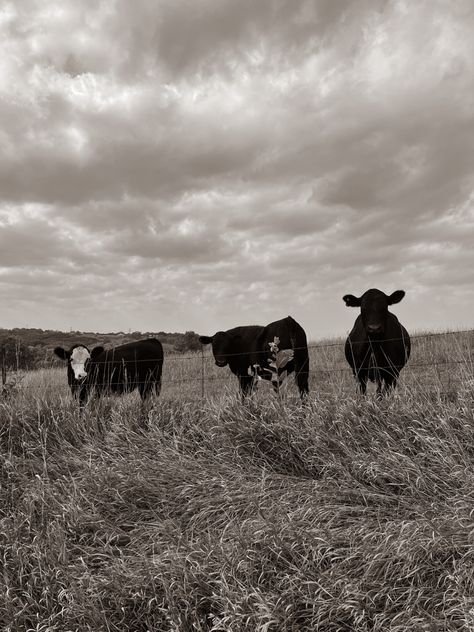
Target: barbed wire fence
[(441, 365)]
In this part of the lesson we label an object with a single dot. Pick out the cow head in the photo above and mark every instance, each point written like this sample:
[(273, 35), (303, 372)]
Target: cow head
[(78, 359), (374, 309), (221, 346)]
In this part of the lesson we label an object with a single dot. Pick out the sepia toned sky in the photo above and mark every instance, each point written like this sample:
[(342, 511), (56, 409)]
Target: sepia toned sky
[(201, 164)]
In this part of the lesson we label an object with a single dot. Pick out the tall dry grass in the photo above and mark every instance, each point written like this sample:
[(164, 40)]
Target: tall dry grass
[(346, 513)]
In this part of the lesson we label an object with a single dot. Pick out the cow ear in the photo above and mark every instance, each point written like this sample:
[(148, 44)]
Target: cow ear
[(205, 340), (351, 301), (396, 297), (96, 351), (62, 353)]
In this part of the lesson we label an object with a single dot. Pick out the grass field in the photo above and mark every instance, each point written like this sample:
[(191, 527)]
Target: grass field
[(346, 513)]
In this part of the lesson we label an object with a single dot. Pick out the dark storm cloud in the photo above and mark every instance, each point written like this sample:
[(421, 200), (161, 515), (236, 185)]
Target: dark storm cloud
[(202, 164)]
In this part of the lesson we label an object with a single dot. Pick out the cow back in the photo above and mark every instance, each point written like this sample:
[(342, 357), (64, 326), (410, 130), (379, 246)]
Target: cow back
[(127, 366), (287, 334)]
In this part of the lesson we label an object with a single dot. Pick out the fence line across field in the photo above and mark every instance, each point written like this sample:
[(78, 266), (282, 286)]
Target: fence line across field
[(230, 378), (201, 374), (176, 357)]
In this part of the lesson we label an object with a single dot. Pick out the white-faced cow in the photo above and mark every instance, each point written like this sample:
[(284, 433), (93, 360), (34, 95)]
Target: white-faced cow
[(252, 352), (135, 365), (378, 346)]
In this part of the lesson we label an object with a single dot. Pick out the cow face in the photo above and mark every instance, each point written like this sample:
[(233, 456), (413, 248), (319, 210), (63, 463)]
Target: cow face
[(221, 346), (374, 309), (77, 358)]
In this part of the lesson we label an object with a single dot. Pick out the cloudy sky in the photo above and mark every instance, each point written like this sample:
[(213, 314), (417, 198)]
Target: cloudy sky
[(199, 164)]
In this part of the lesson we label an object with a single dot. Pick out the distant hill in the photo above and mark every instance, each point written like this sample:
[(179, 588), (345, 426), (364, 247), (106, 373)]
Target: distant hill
[(33, 348)]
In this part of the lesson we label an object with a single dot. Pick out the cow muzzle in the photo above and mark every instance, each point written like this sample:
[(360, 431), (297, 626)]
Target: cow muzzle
[(80, 373), (374, 331), (221, 363)]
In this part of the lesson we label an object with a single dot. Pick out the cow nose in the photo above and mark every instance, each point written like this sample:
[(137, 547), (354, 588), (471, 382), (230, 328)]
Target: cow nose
[(81, 376), (374, 329)]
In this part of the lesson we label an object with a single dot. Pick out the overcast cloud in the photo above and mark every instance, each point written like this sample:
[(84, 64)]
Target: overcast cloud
[(199, 164)]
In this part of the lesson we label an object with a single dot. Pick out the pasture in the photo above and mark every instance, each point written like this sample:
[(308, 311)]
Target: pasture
[(345, 513)]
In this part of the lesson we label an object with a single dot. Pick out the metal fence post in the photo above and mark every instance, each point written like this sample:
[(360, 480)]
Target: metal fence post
[(202, 371), (4, 368)]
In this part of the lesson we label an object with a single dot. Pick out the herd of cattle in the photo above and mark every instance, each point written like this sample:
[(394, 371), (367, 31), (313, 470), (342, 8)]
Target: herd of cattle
[(377, 348)]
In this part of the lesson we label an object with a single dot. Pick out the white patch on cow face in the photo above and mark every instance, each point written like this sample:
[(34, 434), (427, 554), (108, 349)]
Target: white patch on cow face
[(79, 357)]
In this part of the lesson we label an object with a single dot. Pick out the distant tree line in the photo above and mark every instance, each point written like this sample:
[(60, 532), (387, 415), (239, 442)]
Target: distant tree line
[(33, 348)]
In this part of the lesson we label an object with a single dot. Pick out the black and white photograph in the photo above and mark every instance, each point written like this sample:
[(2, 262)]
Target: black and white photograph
[(237, 324)]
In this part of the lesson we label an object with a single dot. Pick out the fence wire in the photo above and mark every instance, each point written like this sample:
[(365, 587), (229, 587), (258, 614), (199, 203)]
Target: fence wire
[(178, 357), (197, 370)]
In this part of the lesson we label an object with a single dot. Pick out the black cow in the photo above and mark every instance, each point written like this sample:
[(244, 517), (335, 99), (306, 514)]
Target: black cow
[(280, 349), (135, 365), (235, 347), (378, 346), (248, 353)]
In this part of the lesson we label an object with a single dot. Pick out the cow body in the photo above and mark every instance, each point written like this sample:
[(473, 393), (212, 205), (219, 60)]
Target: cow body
[(378, 346), (248, 352), (135, 365), (280, 349), (235, 348)]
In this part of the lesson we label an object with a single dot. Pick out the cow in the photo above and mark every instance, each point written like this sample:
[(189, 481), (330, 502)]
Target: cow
[(234, 348), (378, 346), (248, 352), (135, 365), (280, 349)]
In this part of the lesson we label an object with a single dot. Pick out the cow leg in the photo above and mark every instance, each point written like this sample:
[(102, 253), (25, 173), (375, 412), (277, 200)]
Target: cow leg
[(390, 382), (302, 383), (157, 387), (82, 395), (146, 389), (380, 388), (302, 372), (362, 378), (150, 386), (246, 385), (140, 423)]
